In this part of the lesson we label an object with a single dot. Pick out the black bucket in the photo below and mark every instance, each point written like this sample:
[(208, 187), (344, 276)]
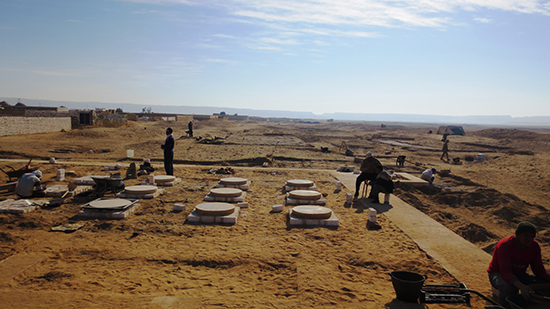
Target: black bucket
[(407, 285)]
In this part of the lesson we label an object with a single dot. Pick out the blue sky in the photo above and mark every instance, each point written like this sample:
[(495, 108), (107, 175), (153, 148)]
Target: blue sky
[(457, 57)]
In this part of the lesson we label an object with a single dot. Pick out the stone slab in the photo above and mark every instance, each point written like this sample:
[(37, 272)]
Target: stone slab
[(292, 188), (21, 206), (85, 180), (212, 198), (243, 187), (226, 192), (18, 263), (410, 179), (90, 213), (194, 217), (293, 201), (333, 221), (305, 194), (141, 189), (214, 209), (233, 181), (300, 183), (163, 184), (448, 248), (311, 212), (58, 190), (140, 196)]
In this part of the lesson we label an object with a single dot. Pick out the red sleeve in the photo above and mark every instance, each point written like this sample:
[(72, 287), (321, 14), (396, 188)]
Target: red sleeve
[(504, 259), (537, 266)]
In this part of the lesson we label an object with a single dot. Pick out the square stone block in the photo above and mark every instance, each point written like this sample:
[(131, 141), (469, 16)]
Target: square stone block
[(108, 214), (332, 221), (292, 188), (243, 205), (140, 196), (212, 198), (227, 219), (85, 180), (20, 206), (293, 201), (243, 187)]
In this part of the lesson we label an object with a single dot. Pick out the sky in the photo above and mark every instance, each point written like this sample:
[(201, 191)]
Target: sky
[(432, 57)]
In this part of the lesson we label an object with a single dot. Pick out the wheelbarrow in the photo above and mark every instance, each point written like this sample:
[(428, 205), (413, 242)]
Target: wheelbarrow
[(16, 174), (104, 184)]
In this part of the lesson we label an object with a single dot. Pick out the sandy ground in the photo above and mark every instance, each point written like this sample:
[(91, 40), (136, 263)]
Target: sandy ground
[(155, 259)]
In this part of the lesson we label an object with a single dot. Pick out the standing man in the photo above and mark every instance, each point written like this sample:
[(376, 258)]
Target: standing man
[(168, 147), (512, 256), (368, 172), (190, 128), (445, 150)]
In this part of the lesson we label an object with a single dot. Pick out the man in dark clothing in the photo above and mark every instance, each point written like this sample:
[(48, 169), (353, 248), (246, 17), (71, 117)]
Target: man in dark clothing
[(368, 171), (445, 150), (383, 183), (511, 258), (168, 147), (190, 128)]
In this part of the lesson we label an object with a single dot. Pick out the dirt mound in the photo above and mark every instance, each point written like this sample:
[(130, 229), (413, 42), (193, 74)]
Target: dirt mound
[(512, 134), (475, 233)]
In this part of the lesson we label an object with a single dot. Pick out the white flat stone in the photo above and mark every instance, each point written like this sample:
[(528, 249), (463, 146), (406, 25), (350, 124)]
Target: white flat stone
[(233, 181), (212, 198), (330, 222), (164, 178), (214, 209), (109, 203), (305, 194), (226, 192), (296, 202), (140, 196), (227, 219), (311, 212), (85, 180), (140, 189), (108, 213), (277, 208), (300, 183)]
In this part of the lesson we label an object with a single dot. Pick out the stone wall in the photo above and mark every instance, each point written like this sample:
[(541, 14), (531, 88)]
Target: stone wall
[(29, 125)]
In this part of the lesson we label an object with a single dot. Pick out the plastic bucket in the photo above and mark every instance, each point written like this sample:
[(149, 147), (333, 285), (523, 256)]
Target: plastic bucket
[(407, 285)]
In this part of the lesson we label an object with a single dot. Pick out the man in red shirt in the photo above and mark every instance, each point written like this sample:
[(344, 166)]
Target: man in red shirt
[(508, 268)]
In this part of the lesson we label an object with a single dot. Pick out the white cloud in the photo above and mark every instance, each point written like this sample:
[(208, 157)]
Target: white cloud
[(483, 20), (223, 36)]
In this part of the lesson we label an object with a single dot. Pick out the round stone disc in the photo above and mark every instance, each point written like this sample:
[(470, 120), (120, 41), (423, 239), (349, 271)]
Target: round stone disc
[(233, 181), (311, 212), (145, 189), (110, 203), (226, 192), (164, 178), (305, 194), (215, 209), (300, 183)]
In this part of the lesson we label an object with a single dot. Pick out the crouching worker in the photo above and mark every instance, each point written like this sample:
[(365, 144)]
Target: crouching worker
[(382, 184), (28, 182), (429, 175), (512, 256)]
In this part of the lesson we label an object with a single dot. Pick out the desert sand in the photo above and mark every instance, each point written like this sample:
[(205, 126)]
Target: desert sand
[(155, 259)]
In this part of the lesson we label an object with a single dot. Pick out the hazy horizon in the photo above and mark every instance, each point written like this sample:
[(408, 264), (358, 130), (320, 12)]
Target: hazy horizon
[(499, 120), (325, 56)]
